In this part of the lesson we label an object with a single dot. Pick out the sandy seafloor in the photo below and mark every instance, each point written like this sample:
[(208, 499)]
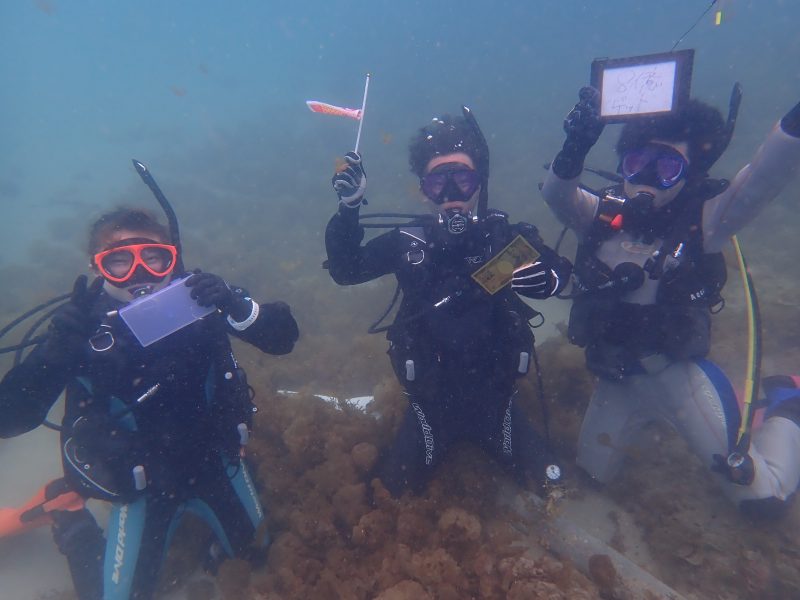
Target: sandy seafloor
[(251, 188)]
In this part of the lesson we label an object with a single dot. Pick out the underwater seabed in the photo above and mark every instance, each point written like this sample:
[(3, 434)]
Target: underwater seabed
[(460, 539), (472, 534)]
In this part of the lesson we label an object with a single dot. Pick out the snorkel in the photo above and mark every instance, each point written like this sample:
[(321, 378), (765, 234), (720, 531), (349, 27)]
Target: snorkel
[(482, 162), (730, 123), (172, 219)]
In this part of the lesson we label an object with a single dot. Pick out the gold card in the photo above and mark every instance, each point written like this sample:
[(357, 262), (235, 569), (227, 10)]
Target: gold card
[(497, 273)]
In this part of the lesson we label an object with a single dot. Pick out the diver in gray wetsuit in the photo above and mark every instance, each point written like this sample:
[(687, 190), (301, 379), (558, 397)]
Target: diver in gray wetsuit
[(647, 275)]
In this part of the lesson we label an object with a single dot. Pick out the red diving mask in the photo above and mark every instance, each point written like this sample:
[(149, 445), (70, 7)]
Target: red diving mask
[(119, 264)]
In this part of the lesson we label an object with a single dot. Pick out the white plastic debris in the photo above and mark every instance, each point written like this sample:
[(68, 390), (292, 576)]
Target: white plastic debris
[(358, 402)]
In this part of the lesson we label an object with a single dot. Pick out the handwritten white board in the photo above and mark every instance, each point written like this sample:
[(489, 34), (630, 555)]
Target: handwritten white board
[(638, 89)]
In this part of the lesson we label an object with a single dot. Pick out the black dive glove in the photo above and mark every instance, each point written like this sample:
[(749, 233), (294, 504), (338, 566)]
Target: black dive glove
[(583, 128), (211, 290), (790, 123), (73, 324), (351, 183), (535, 281)]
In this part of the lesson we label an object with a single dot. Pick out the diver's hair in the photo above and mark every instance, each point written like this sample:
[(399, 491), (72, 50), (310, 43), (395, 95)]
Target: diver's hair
[(698, 124), (134, 219), (444, 135)]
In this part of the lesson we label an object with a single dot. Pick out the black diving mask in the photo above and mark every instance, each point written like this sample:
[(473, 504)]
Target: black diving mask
[(452, 182)]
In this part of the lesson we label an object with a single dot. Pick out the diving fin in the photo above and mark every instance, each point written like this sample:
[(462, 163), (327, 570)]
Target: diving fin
[(35, 512)]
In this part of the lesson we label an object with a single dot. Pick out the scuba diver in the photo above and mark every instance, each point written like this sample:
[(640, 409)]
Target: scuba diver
[(647, 277), (157, 431), (455, 346)]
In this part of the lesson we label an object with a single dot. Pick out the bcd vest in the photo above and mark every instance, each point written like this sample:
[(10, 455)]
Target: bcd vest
[(447, 316), (138, 415), (689, 283)]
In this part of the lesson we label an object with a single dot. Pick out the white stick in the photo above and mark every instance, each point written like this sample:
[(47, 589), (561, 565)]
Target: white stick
[(363, 108)]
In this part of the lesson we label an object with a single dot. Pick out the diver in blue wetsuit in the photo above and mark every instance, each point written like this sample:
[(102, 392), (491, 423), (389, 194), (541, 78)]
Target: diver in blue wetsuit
[(156, 431), (648, 273), (456, 347)]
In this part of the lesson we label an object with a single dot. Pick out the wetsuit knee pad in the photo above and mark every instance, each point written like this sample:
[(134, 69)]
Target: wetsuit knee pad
[(81, 541), (397, 477), (709, 381), (406, 465), (765, 509), (256, 556), (76, 531), (215, 556)]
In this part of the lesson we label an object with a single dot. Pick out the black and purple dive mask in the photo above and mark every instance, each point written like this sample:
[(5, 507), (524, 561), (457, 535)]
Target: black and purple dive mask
[(452, 182), (654, 165)]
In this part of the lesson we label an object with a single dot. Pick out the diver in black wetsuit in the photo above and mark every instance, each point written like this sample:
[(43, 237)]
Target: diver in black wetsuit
[(456, 348), (157, 431)]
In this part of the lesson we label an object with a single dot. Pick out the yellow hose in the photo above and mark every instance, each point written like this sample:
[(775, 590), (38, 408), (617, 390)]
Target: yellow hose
[(753, 344)]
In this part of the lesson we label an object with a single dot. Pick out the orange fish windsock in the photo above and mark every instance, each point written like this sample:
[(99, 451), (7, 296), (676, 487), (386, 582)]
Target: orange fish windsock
[(330, 109)]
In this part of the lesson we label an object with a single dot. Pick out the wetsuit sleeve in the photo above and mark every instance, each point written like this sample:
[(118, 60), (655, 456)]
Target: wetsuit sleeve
[(349, 262), (28, 391), (274, 330), (548, 276), (573, 206), (776, 162)]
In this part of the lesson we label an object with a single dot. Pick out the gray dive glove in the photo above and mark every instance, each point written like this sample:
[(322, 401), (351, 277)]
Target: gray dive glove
[(351, 183)]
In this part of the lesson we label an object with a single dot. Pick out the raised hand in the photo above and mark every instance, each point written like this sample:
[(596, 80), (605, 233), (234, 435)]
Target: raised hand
[(73, 324), (351, 183)]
